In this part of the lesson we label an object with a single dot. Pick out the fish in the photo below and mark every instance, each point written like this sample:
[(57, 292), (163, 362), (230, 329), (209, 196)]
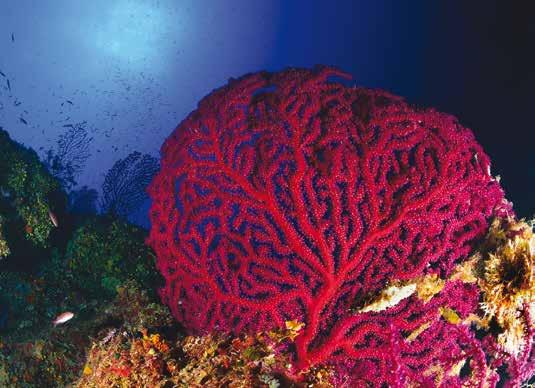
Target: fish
[(12, 37), (62, 318), (70, 102), (53, 218), (2, 74), (9, 85), (23, 121)]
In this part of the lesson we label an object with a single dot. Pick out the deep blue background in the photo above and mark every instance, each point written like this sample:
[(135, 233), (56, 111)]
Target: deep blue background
[(135, 68), (474, 59)]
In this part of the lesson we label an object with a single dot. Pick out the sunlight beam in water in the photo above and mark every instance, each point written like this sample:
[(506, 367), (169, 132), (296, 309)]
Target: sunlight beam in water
[(133, 32)]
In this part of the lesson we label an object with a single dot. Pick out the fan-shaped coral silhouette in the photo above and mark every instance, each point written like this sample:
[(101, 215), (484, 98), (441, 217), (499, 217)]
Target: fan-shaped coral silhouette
[(123, 190), (70, 155)]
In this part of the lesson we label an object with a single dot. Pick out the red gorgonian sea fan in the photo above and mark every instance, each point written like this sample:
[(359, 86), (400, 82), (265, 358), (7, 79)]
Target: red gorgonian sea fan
[(285, 196)]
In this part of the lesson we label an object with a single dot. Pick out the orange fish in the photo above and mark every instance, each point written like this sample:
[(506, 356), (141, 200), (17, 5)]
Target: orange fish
[(62, 318), (53, 218)]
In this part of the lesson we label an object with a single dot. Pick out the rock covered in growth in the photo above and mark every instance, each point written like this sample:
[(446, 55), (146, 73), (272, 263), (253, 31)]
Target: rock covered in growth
[(28, 197), (103, 254), (286, 196), (149, 358)]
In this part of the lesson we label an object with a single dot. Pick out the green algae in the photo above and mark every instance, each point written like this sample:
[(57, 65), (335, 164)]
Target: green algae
[(26, 192)]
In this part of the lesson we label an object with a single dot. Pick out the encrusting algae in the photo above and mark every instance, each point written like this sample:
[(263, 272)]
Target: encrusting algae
[(213, 360), (508, 281), (503, 269)]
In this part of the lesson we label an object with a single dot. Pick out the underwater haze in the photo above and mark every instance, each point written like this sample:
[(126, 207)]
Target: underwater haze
[(128, 71)]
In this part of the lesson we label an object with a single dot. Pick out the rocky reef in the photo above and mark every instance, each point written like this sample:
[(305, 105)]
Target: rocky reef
[(28, 197), (304, 234)]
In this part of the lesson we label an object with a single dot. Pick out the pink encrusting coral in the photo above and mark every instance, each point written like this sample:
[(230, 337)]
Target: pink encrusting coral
[(286, 196)]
